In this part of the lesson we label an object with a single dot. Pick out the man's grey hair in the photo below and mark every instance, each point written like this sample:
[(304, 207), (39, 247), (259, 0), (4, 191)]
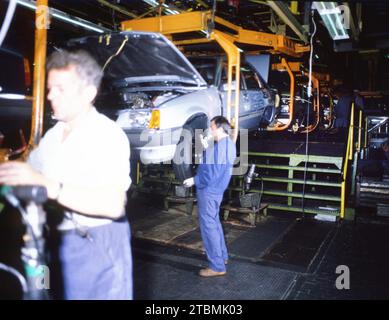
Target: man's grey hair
[(86, 66)]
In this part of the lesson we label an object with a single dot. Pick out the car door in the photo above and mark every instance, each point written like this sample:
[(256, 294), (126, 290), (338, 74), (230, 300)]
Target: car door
[(253, 104), (244, 105)]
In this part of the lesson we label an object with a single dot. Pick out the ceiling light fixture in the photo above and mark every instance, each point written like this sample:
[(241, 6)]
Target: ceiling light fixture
[(66, 17), (154, 3), (334, 19)]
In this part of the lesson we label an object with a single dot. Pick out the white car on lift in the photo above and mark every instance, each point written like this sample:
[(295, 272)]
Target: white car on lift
[(153, 92)]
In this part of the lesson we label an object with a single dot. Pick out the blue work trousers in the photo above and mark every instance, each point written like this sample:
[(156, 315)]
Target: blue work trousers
[(98, 266), (211, 229)]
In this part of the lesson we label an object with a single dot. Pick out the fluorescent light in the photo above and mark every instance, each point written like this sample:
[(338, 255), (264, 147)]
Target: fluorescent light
[(341, 28), (65, 17), (331, 15), (12, 96), (78, 23), (154, 3), (27, 4), (172, 11)]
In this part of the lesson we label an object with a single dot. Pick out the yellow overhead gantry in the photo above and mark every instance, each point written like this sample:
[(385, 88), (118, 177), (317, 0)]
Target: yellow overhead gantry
[(316, 104), (325, 83), (320, 82), (201, 21), (294, 68), (226, 34), (290, 67)]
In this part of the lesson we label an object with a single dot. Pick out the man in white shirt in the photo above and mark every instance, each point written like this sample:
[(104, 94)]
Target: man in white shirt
[(83, 161)]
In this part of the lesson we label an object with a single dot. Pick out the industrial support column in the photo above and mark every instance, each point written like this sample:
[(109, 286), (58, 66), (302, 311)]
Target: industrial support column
[(41, 25)]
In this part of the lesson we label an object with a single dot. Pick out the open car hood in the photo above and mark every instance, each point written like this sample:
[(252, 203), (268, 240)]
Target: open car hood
[(139, 57)]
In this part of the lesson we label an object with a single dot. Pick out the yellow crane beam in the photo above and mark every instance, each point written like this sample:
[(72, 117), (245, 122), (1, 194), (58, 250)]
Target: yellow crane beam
[(201, 21)]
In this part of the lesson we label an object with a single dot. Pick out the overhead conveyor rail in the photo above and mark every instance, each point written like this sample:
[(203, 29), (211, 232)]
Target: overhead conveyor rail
[(295, 71), (280, 125)]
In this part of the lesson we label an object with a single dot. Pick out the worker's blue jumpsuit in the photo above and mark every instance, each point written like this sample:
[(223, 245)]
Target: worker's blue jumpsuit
[(211, 180), (342, 111)]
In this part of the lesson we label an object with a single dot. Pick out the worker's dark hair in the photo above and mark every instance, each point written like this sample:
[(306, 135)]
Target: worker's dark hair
[(222, 122), (86, 66)]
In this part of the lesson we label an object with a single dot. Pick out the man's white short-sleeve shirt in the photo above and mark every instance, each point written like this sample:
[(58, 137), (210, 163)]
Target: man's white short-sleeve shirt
[(95, 153)]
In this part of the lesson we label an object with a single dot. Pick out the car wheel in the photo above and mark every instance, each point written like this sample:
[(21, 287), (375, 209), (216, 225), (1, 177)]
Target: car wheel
[(185, 159), (183, 164)]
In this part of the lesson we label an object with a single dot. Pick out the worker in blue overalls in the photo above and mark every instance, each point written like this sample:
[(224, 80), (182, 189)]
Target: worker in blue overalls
[(343, 109), (212, 179)]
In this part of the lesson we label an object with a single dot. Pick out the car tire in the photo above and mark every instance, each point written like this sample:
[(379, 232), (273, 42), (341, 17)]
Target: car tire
[(183, 164), (186, 169)]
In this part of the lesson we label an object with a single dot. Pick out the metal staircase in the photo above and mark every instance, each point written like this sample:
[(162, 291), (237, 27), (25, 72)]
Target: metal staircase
[(282, 176), (316, 183)]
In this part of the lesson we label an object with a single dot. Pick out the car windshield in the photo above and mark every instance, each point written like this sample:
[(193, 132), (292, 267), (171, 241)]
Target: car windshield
[(206, 68)]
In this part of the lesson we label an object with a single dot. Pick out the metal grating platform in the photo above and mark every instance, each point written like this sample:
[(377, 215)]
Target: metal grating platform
[(299, 246), (164, 273), (362, 246)]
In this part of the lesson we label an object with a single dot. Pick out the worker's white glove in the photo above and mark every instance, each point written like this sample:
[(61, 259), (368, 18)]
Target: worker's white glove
[(204, 141), (188, 182)]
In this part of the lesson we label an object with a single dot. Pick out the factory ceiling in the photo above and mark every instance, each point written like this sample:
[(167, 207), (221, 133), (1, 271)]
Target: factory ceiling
[(369, 32)]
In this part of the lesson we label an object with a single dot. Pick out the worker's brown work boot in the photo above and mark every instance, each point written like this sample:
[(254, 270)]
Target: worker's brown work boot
[(208, 272)]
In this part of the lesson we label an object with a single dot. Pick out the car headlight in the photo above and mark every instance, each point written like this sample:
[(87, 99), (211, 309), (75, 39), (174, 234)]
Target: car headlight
[(134, 118)]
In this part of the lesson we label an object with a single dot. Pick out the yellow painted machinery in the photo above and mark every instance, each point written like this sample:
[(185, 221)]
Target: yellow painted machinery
[(320, 84)]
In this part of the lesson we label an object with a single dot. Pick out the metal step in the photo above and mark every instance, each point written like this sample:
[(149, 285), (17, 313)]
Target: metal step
[(311, 158), (312, 210), (300, 195), (293, 194), (301, 181), (309, 169)]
